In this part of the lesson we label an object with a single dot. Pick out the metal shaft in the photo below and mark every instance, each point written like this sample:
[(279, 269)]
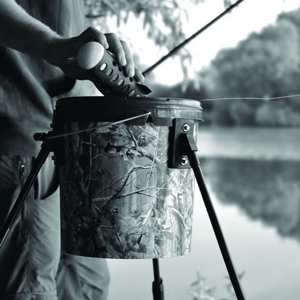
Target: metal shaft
[(194, 162)]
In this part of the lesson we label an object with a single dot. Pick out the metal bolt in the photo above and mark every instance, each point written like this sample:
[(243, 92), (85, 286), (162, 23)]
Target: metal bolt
[(184, 161), (186, 127)]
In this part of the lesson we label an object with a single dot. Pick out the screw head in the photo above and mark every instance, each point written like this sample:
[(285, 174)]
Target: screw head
[(186, 127), (184, 161)]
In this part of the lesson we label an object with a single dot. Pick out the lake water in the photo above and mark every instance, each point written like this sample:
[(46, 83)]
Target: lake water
[(253, 177)]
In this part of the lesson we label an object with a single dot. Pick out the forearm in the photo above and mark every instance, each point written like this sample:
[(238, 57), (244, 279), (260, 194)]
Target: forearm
[(20, 31)]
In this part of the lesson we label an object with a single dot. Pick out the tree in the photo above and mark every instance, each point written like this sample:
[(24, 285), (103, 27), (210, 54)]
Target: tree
[(266, 64), (162, 20), (292, 16)]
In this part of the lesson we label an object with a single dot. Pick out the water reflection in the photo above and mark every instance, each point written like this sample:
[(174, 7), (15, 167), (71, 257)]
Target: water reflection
[(263, 189)]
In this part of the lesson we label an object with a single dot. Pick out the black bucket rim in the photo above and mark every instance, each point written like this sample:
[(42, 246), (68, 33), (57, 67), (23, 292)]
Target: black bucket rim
[(109, 109), (137, 101)]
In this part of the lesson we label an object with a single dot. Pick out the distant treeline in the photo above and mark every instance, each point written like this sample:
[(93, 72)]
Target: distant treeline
[(264, 65)]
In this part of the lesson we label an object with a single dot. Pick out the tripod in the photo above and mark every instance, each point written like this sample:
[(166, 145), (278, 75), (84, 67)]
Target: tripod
[(184, 147), (183, 155)]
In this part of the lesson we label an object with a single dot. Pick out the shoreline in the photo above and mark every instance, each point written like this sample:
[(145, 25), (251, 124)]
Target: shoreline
[(249, 143)]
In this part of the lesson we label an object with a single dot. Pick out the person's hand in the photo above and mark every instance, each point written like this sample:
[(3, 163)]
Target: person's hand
[(62, 53)]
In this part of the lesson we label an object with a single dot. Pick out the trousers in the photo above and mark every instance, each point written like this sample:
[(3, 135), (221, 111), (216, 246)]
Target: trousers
[(31, 263)]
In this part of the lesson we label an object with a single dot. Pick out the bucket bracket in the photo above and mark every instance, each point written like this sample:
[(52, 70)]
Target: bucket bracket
[(182, 129)]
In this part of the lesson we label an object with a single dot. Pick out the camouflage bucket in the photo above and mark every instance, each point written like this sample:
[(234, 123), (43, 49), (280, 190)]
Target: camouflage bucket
[(119, 198)]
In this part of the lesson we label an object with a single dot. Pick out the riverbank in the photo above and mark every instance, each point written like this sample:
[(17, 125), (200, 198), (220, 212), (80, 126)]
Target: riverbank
[(250, 143)]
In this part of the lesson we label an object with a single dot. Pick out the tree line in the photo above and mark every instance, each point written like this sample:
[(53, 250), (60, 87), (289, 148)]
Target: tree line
[(265, 65)]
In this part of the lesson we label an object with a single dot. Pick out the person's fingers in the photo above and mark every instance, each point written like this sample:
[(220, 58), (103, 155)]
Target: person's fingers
[(130, 67), (139, 77), (124, 57), (116, 48)]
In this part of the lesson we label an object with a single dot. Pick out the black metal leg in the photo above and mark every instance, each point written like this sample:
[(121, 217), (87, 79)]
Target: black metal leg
[(157, 285), (194, 162)]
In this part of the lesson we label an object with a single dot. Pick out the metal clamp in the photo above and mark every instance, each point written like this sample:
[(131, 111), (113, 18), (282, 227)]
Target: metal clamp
[(178, 148)]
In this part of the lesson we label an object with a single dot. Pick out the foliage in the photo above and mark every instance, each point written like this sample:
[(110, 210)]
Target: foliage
[(199, 290), (266, 64), (162, 20)]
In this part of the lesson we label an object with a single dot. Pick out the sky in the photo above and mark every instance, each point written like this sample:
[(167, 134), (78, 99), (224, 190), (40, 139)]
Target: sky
[(249, 16)]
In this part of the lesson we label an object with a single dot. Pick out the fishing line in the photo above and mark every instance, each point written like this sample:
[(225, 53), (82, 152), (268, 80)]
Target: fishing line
[(252, 98)]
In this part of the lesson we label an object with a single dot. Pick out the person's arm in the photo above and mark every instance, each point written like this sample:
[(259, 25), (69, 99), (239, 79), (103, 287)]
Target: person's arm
[(22, 32)]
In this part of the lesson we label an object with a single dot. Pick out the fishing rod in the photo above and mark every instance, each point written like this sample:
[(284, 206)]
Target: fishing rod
[(184, 43)]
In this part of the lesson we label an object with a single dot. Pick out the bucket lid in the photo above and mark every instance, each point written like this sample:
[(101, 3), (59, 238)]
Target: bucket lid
[(109, 109)]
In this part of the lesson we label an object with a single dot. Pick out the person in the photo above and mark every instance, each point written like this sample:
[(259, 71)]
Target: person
[(39, 41)]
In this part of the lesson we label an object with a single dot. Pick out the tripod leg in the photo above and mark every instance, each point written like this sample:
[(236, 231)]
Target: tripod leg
[(194, 162), (44, 152), (157, 285)]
